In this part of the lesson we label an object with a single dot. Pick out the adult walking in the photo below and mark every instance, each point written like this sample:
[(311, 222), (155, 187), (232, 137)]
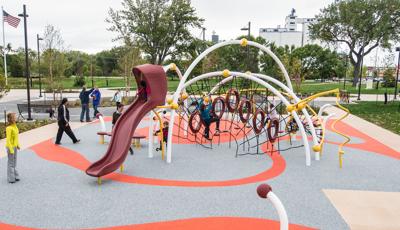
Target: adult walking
[(96, 95), (12, 146), (63, 123), (117, 98), (84, 96)]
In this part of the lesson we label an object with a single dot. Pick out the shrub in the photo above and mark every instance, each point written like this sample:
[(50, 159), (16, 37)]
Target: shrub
[(388, 77), (79, 81)]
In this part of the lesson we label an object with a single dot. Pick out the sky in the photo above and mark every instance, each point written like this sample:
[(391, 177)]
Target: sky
[(83, 27)]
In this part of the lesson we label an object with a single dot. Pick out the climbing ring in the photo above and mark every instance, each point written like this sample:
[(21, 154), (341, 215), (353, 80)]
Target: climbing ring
[(235, 93), (258, 127), (215, 111), (195, 118), (273, 124), (245, 108)]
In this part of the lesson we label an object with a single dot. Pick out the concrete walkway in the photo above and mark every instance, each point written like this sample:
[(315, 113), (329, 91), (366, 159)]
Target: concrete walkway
[(380, 134)]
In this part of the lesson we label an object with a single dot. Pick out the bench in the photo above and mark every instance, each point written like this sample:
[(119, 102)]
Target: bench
[(135, 138), (35, 108)]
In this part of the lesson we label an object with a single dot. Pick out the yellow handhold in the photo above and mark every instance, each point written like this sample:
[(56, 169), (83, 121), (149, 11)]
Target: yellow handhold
[(290, 108), (169, 101), (206, 99), (248, 73), (316, 148), (243, 42), (174, 106), (301, 106), (172, 66), (226, 73), (184, 96)]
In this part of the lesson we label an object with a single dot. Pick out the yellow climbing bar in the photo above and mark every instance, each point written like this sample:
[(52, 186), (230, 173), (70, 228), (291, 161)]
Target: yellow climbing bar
[(304, 103)]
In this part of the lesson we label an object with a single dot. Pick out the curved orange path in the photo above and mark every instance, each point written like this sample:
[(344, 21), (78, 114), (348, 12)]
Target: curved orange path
[(209, 223), (51, 152)]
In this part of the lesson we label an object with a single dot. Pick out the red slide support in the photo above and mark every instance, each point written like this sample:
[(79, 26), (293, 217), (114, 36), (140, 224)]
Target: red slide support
[(156, 81)]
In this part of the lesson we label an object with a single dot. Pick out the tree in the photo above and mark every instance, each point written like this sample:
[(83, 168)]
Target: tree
[(362, 25), (3, 87), (159, 27), (53, 43), (388, 77)]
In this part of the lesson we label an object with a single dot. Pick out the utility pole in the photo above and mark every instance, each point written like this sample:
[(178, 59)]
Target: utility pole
[(204, 34), (27, 72)]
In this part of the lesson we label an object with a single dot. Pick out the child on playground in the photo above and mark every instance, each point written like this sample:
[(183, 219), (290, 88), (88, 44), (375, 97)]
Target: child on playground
[(143, 90), (115, 116), (208, 118), (12, 145), (165, 134)]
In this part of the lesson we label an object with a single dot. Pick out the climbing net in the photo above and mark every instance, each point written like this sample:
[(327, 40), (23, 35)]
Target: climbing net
[(249, 115)]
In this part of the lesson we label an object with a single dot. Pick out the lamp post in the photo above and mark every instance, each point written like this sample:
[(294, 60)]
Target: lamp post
[(248, 28), (27, 73), (397, 75), (38, 51), (345, 74), (360, 77)]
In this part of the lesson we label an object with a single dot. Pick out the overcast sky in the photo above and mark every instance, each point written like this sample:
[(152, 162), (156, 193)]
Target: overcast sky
[(83, 27)]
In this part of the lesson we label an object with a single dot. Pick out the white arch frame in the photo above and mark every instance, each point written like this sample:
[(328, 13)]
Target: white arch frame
[(249, 77), (203, 55), (291, 93)]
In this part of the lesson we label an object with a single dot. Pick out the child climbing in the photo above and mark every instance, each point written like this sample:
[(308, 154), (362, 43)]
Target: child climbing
[(164, 133), (208, 118), (143, 90)]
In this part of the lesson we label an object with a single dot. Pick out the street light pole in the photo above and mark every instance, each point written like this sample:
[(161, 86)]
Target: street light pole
[(345, 74), (360, 77), (248, 50), (27, 73), (397, 76), (38, 51)]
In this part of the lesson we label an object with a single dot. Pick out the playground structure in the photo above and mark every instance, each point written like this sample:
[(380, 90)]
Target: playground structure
[(245, 103)]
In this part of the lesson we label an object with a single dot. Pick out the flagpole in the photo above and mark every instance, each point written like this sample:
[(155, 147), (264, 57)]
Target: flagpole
[(4, 46)]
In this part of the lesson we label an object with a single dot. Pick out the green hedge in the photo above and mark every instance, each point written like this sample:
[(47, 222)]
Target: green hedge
[(25, 126)]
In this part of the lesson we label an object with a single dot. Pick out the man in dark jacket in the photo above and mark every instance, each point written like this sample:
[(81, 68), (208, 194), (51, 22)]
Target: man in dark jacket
[(63, 123), (84, 96)]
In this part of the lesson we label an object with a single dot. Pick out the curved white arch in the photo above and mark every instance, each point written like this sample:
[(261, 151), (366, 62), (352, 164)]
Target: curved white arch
[(291, 93), (249, 77)]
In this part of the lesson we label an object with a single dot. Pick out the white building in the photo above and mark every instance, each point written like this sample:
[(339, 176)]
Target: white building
[(290, 35)]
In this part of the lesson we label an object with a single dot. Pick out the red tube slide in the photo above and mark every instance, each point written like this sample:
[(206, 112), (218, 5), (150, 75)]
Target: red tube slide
[(156, 81)]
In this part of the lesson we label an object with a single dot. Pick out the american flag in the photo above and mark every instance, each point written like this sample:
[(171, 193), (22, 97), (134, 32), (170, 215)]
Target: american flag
[(11, 20)]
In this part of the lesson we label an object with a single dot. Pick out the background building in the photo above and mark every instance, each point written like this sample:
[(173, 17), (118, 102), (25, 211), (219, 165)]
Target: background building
[(290, 35)]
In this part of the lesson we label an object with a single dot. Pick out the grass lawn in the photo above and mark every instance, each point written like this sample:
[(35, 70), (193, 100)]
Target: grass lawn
[(314, 87), (309, 87), (385, 116)]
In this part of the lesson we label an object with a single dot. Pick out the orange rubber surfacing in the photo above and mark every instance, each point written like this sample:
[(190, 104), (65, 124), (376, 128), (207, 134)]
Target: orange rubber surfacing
[(209, 223), (69, 157)]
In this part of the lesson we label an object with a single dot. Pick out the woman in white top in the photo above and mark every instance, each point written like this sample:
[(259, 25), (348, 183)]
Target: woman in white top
[(117, 97)]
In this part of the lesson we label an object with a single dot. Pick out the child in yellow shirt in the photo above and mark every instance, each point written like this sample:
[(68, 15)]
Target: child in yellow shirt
[(12, 146)]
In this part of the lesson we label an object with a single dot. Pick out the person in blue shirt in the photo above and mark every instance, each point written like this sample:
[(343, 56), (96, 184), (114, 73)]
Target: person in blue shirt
[(84, 97), (208, 118), (96, 95)]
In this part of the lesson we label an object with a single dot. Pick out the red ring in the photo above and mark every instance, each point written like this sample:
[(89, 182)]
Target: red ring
[(275, 123), (228, 96), (222, 100), (198, 127), (247, 103), (258, 129)]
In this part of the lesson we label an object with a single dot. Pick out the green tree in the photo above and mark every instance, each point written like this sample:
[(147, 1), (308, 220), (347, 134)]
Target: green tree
[(388, 77), (3, 87), (362, 25), (160, 27)]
